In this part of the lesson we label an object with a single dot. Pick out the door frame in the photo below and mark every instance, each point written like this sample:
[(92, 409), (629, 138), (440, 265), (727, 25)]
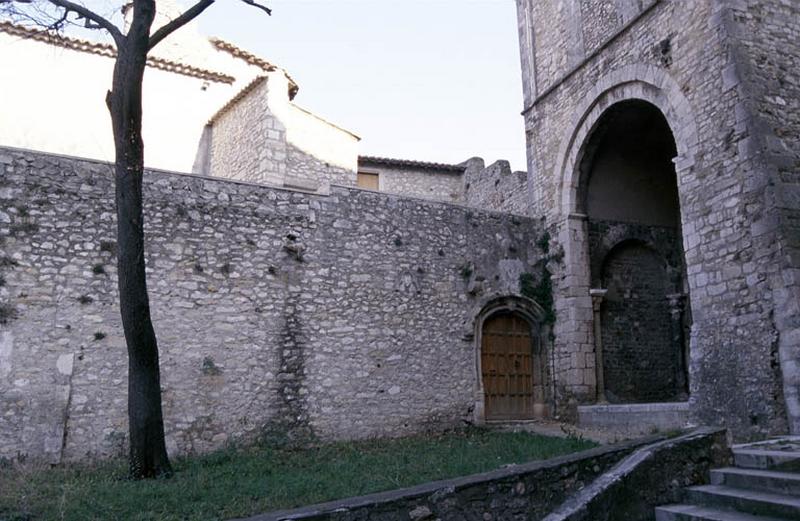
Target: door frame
[(534, 315)]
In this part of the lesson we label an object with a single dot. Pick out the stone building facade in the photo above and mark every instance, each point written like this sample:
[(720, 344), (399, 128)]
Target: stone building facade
[(206, 102), (493, 187), (262, 137), (280, 314), (650, 254), (211, 108), (416, 178), (181, 92), (663, 153)]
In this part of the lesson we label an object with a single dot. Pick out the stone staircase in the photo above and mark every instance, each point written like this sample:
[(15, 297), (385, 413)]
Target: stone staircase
[(763, 485)]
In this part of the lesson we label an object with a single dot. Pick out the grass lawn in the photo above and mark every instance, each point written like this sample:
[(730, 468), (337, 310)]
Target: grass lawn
[(235, 483)]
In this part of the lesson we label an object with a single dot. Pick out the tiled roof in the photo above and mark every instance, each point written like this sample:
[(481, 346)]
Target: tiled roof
[(252, 59), (238, 52), (106, 49), (388, 161)]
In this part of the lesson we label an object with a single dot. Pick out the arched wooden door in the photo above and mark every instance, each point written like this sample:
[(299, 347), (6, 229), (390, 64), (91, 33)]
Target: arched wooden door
[(508, 368)]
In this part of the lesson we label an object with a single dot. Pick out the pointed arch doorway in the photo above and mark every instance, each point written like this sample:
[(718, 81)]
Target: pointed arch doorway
[(511, 363)]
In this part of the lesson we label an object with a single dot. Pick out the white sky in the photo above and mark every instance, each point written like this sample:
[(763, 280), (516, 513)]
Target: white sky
[(434, 80)]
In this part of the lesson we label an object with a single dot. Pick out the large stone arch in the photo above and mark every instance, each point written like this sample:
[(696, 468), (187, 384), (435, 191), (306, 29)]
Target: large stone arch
[(575, 331), (638, 81), (522, 306)]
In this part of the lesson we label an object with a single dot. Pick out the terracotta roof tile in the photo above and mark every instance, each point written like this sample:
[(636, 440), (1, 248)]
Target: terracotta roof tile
[(252, 59), (106, 49), (372, 160)]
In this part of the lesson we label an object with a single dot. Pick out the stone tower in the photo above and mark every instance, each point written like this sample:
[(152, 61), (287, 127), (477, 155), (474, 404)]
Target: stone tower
[(664, 152)]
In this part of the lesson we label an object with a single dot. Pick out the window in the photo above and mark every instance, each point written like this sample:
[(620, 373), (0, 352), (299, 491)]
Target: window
[(368, 180)]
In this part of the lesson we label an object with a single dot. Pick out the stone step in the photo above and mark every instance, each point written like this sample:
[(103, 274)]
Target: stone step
[(751, 458), (634, 418), (696, 513), (745, 501), (755, 479)]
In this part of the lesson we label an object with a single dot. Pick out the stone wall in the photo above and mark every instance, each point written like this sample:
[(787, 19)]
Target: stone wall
[(765, 48), (606, 235), (643, 319), (261, 137), (600, 19), (526, 491), (279, 314), (248, 143), (559, 36), (496, 187), (674, 56), (319, 151), (305, 171), (641, 359), (653, 475), (416, 178)]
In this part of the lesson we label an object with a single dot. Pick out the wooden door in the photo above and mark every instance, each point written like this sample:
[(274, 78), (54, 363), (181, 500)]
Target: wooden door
[(508, 367)]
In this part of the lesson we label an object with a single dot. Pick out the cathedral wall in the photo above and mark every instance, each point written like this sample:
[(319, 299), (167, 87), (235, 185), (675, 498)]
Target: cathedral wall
[(280, 315), (764, 41), (676, 56)]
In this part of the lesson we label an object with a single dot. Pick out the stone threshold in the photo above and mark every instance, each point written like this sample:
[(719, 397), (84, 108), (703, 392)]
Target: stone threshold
[(634, 418), (635, 407)]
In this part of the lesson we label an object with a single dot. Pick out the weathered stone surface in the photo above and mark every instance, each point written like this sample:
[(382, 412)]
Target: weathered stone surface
[(651, 476), (496, 187), (256, 139), (416, 178), (635, 419), (279, 314), (719, 73)]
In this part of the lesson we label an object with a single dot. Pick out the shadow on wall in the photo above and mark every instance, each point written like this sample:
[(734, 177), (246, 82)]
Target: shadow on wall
[(261, 136)]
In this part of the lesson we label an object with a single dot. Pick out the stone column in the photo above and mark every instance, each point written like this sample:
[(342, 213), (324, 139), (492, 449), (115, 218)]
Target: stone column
[(676, 306), (597, 301)]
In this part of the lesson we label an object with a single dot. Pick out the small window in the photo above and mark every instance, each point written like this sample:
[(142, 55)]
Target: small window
[(367, 180)]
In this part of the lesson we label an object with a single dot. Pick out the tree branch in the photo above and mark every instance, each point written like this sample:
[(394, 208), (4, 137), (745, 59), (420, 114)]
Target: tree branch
[(185, 17), (258, 6), (55, 25), (93, 20), (189, 15)]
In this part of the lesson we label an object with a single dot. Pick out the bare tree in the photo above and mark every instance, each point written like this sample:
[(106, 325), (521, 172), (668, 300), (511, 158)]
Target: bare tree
[(148, 454)]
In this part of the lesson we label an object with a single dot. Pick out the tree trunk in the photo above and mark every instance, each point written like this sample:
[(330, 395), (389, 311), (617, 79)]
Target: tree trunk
[(148, 454)]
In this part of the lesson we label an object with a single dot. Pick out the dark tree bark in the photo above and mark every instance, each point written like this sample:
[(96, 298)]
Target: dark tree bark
[(148, 453)]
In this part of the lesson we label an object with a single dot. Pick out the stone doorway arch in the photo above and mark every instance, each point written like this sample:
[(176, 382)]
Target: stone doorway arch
[(512, 361), (582, 293)]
